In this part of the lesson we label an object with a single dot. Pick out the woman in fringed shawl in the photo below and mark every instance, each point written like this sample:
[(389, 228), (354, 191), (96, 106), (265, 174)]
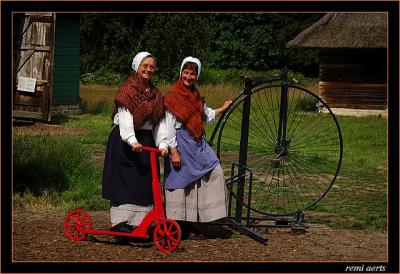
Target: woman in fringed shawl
[(139, 120), (194, 184)]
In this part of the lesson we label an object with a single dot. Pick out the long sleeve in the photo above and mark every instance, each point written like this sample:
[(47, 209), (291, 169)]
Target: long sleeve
[(126, 128), (210, 114), (172, 124), (160, 134)]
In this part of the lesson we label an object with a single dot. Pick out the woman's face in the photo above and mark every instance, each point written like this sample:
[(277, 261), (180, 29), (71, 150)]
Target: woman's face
[(146, 68), (189, 77)]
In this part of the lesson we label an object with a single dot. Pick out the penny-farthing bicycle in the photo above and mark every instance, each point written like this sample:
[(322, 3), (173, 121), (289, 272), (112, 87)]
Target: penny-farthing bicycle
[(281, 154)]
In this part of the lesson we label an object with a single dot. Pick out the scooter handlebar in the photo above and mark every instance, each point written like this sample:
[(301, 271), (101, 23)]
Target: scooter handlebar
[(150, 149)]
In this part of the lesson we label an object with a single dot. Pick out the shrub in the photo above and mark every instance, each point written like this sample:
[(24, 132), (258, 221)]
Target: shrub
[(308, 103), (103, 76)]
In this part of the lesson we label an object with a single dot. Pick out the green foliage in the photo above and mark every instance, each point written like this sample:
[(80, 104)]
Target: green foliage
[(234, 76), (241, 41), (109, 40), (225, 76), (172, 37), (258, 41)]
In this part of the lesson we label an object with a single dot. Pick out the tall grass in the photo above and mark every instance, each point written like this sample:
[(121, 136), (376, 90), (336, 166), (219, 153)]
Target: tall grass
[(96, 99), (52, 169), (48, 162)]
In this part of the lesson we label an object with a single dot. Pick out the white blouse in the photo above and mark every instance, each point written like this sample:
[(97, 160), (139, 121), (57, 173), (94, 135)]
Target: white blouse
[(173, 124), (127, 131)]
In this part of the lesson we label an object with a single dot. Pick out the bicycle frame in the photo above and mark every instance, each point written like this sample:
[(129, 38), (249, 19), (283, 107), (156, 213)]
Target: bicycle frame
[(282, 143)]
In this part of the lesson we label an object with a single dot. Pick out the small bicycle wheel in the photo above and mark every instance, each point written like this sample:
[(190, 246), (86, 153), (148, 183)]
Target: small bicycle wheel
[(74, 220), (283, 183), (166, 235)]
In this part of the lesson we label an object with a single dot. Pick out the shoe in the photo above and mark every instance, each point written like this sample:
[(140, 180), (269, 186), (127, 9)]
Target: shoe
[(186, 229), (150, 231), (122, 227), (121, 240), (196, 236)]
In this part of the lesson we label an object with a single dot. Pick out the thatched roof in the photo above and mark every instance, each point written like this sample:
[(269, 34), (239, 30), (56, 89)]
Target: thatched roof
[(345, 30)]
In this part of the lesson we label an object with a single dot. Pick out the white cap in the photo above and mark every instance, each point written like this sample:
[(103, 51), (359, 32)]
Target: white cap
[(138, 59), (193, 60)]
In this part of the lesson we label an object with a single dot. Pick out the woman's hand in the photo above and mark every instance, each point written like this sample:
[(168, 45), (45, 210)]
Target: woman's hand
[(224, 107), (164, 152), (175, 157), (137, 147)]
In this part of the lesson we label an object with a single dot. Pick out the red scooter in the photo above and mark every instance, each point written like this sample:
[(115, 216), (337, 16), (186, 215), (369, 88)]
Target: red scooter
[(166, 235)]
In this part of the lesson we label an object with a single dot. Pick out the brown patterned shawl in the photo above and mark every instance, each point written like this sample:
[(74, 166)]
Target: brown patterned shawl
[(187, 106), (141, 102)]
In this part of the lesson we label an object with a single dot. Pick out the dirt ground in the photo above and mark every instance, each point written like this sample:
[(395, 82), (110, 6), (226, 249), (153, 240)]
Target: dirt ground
[(38, 236)]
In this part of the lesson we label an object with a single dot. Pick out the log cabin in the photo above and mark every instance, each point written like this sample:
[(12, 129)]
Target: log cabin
[(352, 59)]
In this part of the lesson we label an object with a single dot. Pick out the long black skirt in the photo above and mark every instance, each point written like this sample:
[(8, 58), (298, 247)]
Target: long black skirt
[(127, 174)]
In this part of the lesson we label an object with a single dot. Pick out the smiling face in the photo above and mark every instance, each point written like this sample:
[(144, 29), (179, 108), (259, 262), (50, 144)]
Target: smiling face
[(147, 68), (189, 74)]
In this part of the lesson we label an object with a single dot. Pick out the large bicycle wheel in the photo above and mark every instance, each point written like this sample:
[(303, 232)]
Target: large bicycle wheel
[(290, 182)]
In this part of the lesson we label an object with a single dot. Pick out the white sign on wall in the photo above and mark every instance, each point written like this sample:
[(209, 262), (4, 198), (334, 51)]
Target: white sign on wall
[(26, 84)]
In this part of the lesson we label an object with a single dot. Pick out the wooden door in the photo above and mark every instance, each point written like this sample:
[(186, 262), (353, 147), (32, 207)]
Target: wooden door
[(33, 67)]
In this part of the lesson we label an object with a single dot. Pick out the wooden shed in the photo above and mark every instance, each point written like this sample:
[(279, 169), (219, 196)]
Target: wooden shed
[(46, 64), (353, 57)]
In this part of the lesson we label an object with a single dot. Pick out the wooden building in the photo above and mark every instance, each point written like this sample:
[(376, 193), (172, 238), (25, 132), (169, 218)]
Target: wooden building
[(46, 64), (353, 57)]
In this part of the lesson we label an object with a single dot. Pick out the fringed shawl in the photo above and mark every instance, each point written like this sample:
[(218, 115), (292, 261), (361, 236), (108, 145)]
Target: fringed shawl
[(143, 103), (187, 106)]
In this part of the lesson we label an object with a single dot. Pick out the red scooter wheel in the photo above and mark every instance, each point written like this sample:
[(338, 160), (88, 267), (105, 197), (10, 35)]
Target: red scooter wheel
[(74, 220), (167, 235)]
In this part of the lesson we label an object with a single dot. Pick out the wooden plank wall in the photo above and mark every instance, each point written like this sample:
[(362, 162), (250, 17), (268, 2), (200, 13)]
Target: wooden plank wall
[(33, 59), (353, 78)]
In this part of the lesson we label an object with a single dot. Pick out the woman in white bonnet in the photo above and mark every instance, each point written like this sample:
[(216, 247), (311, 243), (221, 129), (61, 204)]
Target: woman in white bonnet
[(138, 120), (194, 184)]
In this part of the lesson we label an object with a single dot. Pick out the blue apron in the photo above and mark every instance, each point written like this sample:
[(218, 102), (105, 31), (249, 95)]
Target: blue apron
[(197, 159)]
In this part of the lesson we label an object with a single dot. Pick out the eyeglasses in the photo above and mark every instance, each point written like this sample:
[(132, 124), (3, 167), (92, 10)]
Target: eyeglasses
[(150, 67)]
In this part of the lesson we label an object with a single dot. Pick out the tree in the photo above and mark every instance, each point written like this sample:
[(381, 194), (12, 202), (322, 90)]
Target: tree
[(109, 40), (255, 41), (258, 41), (171, 37)]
